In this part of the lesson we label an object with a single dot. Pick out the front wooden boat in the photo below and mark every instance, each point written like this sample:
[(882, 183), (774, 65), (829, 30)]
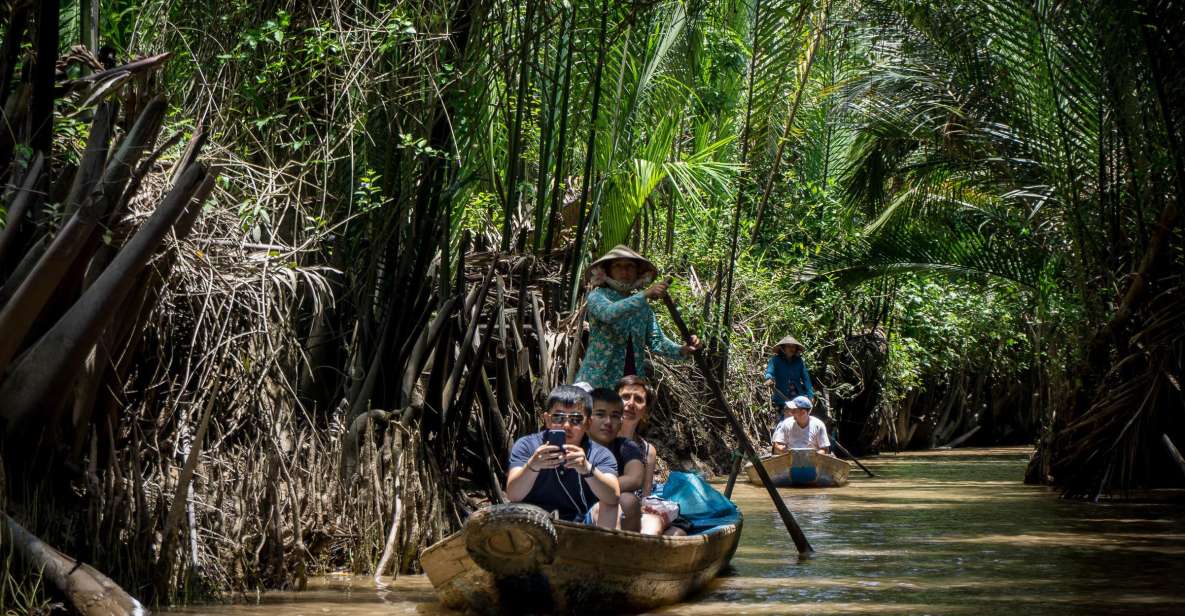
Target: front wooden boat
[(592, 570), (803, 467)]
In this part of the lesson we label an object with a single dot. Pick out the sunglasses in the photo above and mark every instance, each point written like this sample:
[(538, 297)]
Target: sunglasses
[(574, 419)]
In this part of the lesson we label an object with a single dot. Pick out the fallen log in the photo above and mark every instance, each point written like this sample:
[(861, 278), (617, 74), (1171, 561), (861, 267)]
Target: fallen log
[(89, 592)]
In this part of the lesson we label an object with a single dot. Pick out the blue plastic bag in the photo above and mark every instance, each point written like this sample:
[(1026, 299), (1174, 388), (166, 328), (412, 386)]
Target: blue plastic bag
[(699, 502)]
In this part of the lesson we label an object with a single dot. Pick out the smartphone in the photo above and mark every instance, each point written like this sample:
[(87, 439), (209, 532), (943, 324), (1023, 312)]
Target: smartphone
[(555, 437)]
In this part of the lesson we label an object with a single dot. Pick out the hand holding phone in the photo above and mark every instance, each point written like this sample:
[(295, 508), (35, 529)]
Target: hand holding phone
[(549, 454), (574, 458)]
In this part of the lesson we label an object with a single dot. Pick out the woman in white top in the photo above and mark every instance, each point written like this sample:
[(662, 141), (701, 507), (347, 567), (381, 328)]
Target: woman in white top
[(800, 430)]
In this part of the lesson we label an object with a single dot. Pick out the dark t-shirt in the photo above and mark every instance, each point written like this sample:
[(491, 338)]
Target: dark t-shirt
[(625, 450), (562, 489)]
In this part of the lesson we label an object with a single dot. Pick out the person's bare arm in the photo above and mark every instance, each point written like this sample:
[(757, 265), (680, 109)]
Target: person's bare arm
[(521, 479), (651, 464), (603, 484), (632, 477), (778, 442)]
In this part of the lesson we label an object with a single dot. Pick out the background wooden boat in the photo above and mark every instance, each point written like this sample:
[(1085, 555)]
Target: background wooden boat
[(594, 570), (803, 467)]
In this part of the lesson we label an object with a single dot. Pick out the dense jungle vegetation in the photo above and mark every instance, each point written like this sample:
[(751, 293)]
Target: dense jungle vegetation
[(277, 302)]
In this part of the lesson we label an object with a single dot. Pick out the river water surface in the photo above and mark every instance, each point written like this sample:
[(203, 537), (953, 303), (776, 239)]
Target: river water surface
[(941, 532)]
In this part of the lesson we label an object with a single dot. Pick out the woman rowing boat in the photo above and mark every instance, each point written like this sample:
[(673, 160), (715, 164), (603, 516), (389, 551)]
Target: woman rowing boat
[(621, 324)]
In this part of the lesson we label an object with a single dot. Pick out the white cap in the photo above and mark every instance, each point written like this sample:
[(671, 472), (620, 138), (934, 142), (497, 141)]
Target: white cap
[(801, 402), (586, 386)]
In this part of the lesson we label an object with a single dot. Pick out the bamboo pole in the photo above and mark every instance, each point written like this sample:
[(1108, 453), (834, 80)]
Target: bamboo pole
[(800, 540)]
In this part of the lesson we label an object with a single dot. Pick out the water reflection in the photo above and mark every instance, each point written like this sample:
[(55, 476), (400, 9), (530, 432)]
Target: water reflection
[(951, 532)]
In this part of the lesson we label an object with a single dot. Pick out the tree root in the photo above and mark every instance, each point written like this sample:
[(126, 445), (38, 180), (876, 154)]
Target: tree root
[(89, 592)]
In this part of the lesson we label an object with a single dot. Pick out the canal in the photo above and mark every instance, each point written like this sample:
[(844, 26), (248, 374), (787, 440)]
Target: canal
[(938, 532)]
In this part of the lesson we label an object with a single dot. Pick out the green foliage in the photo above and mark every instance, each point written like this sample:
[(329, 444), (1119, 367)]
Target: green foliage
[(25, 595), (974, 179)]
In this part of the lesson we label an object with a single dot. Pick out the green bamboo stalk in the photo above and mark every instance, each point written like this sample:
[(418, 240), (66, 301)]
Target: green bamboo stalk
[(773, 172), (572, 266), (547, 113), (726, 317), (562, 141), (514, 158)]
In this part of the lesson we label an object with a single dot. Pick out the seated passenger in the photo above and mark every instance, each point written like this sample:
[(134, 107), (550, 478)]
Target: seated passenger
[(637, 396), (604, 427), (568, 481), (800, 430)]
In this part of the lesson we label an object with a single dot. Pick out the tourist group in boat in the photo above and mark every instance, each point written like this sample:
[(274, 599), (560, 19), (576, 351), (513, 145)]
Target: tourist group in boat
[(583, 488), (590, 463)]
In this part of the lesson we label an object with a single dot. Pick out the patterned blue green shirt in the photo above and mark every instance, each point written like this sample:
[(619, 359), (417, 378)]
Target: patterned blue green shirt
[(614, 318)]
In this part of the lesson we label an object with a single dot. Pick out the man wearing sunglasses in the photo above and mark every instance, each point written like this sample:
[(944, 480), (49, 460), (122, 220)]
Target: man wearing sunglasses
[(570, 480)]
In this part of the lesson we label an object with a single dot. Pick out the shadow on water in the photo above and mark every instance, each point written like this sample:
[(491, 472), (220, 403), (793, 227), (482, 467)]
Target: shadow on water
[(951, 532)]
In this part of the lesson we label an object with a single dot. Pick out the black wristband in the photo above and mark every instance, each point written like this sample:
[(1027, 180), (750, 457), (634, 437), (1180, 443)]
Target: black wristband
[(590, 471)]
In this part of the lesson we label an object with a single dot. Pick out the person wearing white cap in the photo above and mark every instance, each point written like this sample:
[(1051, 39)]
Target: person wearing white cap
[(800, 430)]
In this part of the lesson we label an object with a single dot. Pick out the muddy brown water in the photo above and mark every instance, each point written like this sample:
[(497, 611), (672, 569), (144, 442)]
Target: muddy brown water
[(942, 532)]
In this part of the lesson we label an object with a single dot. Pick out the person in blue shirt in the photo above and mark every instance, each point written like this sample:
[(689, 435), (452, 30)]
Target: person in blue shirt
[(567, 481), (786, 376)]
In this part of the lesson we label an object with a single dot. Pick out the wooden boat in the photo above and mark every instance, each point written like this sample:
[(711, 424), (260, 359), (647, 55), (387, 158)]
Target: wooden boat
[(509, 559), (802, 467)]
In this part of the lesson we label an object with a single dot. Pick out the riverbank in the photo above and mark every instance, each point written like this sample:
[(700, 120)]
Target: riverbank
[(943, 532)]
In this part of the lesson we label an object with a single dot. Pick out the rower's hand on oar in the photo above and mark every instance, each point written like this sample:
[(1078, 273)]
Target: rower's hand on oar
[(657, 290), (695, 345), (545, 457)]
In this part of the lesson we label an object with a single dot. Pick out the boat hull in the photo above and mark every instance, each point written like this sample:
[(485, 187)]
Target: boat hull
[(594, 570), (801, 467)]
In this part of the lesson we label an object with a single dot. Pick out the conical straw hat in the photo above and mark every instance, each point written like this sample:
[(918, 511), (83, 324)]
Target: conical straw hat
[(791, 340), (624, 252)]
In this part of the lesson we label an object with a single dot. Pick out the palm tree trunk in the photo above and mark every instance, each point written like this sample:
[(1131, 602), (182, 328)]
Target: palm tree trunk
[(40, 378), (42, 104)]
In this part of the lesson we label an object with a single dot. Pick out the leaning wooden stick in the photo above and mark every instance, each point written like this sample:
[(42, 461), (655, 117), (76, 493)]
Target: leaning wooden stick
[(737, 460), (841, 448), (847, 453), (800, 541)]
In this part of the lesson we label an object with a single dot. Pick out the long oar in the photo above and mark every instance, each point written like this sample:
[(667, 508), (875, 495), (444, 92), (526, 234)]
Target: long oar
[(804, 546), (737, 460), (847, 453), (834, 441)]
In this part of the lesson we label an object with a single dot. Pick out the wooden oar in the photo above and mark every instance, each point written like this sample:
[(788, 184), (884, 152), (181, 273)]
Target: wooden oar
[(847, 453), (800, 541), (834, 441), (737, 460)]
